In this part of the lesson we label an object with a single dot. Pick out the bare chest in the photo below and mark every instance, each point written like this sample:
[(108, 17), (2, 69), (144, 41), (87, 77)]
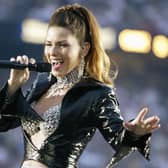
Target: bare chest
[(50, 98)]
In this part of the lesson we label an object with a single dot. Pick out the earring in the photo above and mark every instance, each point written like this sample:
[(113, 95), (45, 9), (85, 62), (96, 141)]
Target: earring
[(81, 67)]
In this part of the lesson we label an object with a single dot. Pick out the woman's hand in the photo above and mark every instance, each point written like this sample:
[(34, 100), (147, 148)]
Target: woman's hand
[(19, 77), (141, 126)]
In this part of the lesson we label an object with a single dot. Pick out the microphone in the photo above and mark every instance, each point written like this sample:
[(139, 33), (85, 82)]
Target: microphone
[(38, 66)]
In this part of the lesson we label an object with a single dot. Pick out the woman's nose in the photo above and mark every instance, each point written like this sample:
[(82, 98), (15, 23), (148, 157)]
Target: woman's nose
[(54, 50)]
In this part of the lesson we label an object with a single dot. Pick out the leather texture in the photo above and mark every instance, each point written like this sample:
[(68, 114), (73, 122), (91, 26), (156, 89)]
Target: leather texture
[(88, 106)]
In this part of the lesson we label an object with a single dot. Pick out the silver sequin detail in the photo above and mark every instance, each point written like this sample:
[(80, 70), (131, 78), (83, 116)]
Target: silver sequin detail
[(51, 117), (48, 126)]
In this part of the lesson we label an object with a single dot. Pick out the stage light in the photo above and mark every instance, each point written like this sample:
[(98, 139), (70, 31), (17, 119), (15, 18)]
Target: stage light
[(160, 46), (33, 31), (137, 41)]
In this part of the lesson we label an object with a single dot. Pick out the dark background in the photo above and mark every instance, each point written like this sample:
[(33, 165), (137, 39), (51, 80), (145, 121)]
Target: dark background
[(142, 79)]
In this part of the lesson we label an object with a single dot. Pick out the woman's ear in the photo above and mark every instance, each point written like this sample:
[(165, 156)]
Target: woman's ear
[(85, 48)]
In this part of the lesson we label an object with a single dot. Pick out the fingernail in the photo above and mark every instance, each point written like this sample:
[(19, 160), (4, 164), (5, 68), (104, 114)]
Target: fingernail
[(146, 109)]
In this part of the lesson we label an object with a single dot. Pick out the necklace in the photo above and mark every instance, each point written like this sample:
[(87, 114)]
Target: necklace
[(63, 84)]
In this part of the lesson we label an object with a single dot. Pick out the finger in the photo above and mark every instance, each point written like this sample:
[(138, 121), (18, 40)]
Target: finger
[(19, 59), (152, 120), (150, 128), (26, 59), (12, 59), (155, 126), (32, 60), (142, 114), (26, 75)]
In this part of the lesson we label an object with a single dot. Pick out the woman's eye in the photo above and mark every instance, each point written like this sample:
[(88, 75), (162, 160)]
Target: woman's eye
[(47, 44), (63, 45)]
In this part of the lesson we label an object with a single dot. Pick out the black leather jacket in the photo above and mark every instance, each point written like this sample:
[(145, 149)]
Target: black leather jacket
[(87, 106)]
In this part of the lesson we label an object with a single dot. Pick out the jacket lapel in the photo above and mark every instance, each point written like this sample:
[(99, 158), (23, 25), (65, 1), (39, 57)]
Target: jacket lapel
[(40, 85)]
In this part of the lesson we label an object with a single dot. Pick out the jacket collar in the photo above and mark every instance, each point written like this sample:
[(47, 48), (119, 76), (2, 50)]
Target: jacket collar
[(44, 81)]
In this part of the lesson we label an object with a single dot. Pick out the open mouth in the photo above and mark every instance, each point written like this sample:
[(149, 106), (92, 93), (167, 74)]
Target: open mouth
[(56, 64)]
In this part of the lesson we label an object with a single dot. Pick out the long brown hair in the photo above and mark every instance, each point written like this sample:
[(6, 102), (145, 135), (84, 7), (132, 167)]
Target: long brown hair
[(84, 26)]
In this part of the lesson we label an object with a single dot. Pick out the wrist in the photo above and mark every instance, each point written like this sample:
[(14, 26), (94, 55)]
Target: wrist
[(13, 86)]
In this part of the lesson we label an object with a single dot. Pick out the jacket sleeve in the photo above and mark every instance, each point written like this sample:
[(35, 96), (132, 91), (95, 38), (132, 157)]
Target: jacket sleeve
[(110, 124), (13, 109), (7, 110)]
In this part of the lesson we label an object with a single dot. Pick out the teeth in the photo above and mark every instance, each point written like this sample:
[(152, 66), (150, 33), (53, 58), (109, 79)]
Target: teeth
[(57, 62)]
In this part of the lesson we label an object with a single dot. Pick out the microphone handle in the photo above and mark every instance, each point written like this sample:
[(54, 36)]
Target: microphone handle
[(39, 67), (12, 65)]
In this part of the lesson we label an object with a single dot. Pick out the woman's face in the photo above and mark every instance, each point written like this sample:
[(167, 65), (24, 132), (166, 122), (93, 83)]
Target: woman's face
[(62, 50)]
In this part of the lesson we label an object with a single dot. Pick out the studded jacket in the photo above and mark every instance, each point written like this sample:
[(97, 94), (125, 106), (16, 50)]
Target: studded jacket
[(88, 106)]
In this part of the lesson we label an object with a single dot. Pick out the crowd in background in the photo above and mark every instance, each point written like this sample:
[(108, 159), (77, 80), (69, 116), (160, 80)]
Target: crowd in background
[(140, 82)]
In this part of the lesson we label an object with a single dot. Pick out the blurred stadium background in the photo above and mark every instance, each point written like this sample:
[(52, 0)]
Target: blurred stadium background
[(134, 33)]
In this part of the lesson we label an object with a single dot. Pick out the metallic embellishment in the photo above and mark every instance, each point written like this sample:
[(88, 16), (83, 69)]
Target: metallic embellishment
[(52, 117), (47, 127), (81, 67), (64, 83)]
